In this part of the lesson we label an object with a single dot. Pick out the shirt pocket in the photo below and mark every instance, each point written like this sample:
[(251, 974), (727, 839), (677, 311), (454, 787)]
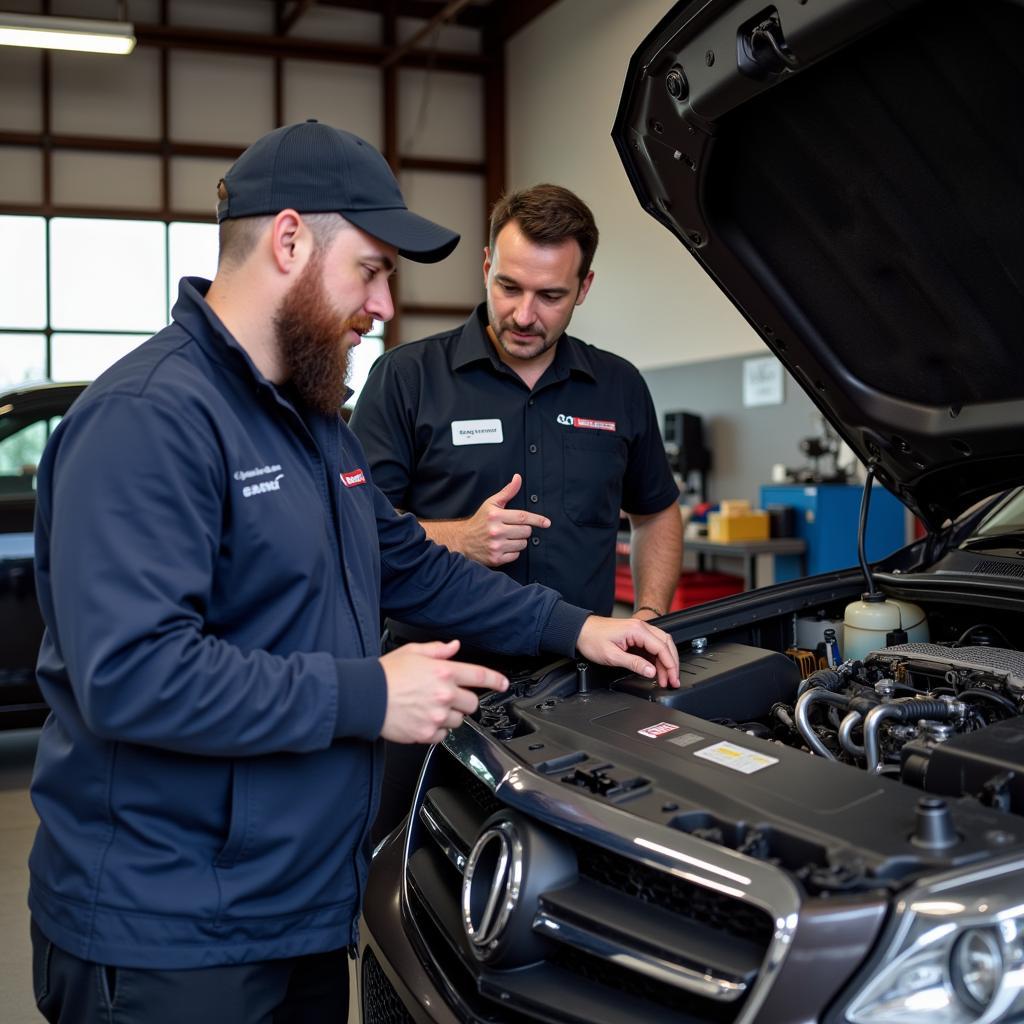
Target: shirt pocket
[(593, 468)]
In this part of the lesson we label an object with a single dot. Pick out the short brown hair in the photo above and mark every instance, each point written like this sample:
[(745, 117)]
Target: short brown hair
[(238, 236), (548, 215)]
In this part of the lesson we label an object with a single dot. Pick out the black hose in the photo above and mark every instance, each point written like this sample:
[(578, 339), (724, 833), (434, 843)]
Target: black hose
[(906, 687), (912, 710), (826, 678), (785, 715), (996, 698), (982, 625), (862, 530)]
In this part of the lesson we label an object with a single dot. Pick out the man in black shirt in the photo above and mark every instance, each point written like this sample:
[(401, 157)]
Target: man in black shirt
[(516, 444)]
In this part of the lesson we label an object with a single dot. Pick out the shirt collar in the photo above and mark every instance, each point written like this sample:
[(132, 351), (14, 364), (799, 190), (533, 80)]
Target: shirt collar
[(474, 346)]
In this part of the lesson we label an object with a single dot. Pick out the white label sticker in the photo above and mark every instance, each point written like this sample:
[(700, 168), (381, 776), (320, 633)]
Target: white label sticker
[(654, 731), (687, 739), (739, 759), (476, 432)]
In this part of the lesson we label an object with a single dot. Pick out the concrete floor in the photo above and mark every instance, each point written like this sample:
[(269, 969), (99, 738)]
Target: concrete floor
[(17, 829)]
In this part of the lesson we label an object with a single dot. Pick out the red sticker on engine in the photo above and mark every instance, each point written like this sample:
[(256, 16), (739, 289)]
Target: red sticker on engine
[(654, 731), (355, 478)]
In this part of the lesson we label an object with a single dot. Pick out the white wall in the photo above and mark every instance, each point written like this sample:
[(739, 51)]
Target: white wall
[(564, 74)]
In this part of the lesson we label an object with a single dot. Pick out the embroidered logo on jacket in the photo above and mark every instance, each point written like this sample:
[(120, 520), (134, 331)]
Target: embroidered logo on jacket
[(582, 423), (354, 478), (251, 490)]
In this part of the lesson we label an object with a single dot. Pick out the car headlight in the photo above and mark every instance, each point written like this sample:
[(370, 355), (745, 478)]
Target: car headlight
[(954, 955), (976, 967)]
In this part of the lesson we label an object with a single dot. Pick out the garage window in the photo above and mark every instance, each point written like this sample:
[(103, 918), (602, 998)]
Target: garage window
[(80, 292)]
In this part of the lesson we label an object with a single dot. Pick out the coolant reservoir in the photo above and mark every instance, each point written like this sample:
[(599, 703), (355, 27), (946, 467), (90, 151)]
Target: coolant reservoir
[(867, 621)]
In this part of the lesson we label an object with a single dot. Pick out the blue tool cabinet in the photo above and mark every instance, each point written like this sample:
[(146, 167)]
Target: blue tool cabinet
[(827, 517)]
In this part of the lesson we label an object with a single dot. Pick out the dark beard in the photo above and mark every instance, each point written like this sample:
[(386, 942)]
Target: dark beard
[(309, 339)]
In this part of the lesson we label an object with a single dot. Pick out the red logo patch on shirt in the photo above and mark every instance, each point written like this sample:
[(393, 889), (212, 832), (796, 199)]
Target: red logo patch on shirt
[(354, 478), (582, 423)]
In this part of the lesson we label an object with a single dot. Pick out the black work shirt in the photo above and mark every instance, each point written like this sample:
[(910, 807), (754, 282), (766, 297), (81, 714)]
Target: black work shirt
[(445, 423)]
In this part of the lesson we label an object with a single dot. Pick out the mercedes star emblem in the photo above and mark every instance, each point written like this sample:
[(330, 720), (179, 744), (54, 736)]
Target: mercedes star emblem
[(490, 887)]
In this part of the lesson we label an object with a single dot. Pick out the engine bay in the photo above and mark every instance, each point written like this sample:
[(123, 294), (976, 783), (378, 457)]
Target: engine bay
[(851, 773)]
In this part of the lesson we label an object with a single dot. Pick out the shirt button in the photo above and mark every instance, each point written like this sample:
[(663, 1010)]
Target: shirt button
[(536, 541), (533, 449), (531, 401), (533, 498)]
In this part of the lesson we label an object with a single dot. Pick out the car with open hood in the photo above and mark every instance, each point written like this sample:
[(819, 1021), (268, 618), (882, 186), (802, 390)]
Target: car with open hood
[(799, 833)]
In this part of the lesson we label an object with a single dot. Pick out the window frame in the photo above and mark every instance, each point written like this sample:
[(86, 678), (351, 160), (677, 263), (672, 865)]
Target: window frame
[(48, 330)]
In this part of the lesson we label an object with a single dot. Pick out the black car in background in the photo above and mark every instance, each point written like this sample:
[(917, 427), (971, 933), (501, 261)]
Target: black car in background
[(28, 416), (782, 840)]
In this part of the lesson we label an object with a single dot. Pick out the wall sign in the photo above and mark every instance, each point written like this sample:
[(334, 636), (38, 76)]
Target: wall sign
[(763, 381)]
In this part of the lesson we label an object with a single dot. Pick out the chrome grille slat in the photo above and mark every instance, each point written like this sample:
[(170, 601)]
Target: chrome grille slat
[(450, 845), (690, 955), (700, 983)]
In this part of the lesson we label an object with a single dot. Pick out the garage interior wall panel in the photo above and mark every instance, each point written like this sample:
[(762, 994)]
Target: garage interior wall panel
[(95, 95), (21, 175), (128, 180), (340, 25), (457, 201), (231, 15), (21, 100), (138, 10), (220, 98), (344, 95), (745, 442), (194, 183), (416, 326), (673, 312), (452, 38), (440, 114)]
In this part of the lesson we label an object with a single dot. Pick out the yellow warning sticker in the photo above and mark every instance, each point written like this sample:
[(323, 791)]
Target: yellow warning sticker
[(739, 759)]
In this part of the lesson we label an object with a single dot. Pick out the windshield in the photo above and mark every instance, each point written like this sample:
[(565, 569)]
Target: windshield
[(1006, 517)]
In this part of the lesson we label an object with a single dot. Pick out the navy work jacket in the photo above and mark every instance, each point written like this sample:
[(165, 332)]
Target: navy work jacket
[(211, 566)]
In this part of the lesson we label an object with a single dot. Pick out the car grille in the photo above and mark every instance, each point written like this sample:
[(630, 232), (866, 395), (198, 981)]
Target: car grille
[(381, 1004), (626, 940)]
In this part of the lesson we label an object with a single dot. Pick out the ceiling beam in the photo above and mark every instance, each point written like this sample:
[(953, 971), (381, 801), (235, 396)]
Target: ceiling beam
[(286, 19), (177, 37), (440, 19), (472, 16), (516, 15)]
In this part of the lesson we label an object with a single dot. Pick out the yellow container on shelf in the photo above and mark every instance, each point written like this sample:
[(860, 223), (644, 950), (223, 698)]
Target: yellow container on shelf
[(733, 506), (750, 525)]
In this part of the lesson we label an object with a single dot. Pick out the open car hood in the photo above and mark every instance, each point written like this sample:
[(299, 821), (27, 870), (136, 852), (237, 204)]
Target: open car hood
[(851, 174)]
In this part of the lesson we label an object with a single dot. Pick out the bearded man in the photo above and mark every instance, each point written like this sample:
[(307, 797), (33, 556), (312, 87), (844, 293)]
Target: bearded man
[(212, 560)]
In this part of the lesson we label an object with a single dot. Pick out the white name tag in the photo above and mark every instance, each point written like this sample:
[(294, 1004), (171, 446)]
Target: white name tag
[(476, 432)]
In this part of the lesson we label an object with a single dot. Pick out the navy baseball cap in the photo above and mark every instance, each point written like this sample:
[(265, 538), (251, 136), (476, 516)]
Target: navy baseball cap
[(314, 168)]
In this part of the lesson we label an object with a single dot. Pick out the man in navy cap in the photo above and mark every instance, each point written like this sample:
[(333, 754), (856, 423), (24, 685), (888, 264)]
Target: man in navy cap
[(212, 561)]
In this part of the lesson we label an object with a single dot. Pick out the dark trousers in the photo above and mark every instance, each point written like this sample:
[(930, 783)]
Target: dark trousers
[(300, 990)]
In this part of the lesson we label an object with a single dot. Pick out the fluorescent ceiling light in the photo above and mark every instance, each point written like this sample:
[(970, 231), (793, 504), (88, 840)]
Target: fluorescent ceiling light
[(89, 35)]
